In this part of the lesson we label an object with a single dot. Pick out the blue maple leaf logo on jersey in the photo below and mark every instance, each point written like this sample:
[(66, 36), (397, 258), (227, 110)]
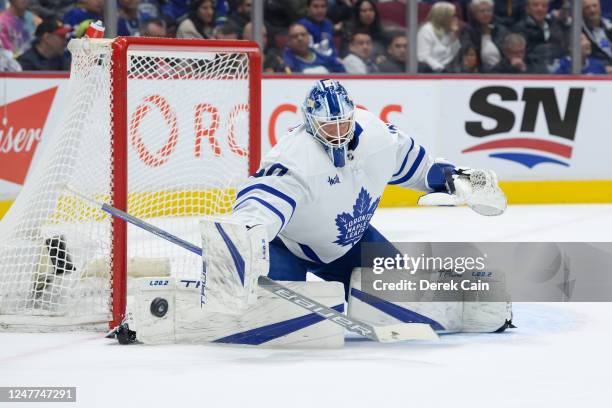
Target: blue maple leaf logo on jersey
[(352, 226)]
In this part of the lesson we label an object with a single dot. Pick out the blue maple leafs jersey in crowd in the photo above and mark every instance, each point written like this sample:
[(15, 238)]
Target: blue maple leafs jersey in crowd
[(320, 211)]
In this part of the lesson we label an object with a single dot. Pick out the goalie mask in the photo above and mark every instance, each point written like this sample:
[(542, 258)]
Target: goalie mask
[(329, 117)]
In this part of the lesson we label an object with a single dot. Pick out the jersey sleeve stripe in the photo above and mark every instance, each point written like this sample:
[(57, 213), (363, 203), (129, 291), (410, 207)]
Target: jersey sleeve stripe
[(405, 160), (269, 190), (413, 169), (267, 205)]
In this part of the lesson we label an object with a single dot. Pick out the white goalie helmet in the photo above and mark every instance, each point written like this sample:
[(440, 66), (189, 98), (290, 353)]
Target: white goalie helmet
[(329, 116)]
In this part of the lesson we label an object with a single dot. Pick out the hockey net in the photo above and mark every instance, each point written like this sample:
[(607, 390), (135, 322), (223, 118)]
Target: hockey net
[(165, 129)]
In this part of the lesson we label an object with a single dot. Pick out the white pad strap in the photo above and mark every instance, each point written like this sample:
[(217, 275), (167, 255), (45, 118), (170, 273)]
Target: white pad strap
[(233, 258)]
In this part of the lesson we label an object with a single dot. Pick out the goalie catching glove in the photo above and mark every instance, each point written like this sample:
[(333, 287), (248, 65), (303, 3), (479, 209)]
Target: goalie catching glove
[(477, 188)]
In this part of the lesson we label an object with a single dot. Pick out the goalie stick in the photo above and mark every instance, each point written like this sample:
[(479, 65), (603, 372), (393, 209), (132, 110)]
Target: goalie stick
[(384, 334)]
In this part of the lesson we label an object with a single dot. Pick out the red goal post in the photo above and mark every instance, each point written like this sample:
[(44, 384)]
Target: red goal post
[(119, 74)]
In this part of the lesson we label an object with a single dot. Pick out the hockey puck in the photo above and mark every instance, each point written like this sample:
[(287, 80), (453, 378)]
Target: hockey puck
[(159, 307)]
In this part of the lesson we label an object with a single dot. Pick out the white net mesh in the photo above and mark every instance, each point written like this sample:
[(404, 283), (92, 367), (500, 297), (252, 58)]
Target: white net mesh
[(187, 130)]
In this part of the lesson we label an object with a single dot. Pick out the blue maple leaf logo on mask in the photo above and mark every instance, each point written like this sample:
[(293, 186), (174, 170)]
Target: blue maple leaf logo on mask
[(352, 226)]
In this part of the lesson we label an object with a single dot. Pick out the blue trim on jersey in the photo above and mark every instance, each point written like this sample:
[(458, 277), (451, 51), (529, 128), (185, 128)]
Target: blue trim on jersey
[(400, 313), (413, 169), (355, 140), (310, 253), (238, 261), (405, 160), (265, 204), (270, 190), (273, 331)]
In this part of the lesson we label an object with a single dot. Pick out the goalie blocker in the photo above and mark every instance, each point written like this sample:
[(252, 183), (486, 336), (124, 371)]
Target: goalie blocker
[(233, 257)]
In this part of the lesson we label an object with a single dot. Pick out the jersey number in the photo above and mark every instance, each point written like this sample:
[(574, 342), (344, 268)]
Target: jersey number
[(276, 169)]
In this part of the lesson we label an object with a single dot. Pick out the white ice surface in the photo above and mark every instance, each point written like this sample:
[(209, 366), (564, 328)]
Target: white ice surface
[(559, 356)]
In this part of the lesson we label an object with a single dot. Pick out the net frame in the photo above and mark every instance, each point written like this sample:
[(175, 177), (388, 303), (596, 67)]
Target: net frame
[(119, 75), (119, 127)]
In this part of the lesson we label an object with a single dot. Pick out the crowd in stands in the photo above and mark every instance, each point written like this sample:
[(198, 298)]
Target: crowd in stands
[(332, 36)]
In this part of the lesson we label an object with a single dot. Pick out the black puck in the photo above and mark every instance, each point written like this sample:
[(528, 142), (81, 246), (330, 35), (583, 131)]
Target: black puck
[(159, 307)]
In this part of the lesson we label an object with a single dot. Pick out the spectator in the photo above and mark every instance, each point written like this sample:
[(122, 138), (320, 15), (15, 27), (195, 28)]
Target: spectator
[(437, 39), (483, 34), (590, 65), (606, 9), (273, 62), (598, 31), (48, 52), (7, 62), (128, 23), (175, 9), (242, 15), (513, 58), (227, 31), (222, 9), (320, 28), (83, 14), (17, 27), (509, 12), (46, 9), (200, 20), (299, 57), (397, 50), (467, 61), (560, 10), (178, 9), (340, 12), (153, 27), (280, 14), (546, 37), (149, 9), (360, 59), (365, 17)]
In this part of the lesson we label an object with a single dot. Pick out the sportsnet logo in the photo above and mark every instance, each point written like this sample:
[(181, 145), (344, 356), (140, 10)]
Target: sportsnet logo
[(21, 129), (534, 148)]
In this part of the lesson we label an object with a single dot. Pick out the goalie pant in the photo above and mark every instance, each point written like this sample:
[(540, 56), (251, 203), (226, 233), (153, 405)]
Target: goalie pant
[(464, 316)]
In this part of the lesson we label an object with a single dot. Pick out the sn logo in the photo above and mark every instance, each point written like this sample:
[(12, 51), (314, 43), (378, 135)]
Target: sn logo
[(559, 124)]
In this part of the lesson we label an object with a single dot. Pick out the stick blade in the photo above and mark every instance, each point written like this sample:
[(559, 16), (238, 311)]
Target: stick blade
[(405, 331)]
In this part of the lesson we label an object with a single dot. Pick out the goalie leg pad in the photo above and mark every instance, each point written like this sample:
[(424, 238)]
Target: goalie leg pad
[(151, 309), (270, 322), (232, 260), (455, 314)]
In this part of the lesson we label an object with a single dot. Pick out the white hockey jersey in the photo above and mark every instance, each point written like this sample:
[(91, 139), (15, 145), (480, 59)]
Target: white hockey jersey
[(320, 211)]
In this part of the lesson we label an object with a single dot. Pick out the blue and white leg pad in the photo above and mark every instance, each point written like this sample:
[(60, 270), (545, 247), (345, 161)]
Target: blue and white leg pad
[(449, 316), (162, 310), (233, 257)]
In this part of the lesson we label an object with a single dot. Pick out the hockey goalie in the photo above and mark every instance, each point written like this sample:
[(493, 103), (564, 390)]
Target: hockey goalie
[(308, 209)]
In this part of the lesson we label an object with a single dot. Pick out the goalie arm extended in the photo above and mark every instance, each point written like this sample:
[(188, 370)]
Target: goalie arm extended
[(445, 184)]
